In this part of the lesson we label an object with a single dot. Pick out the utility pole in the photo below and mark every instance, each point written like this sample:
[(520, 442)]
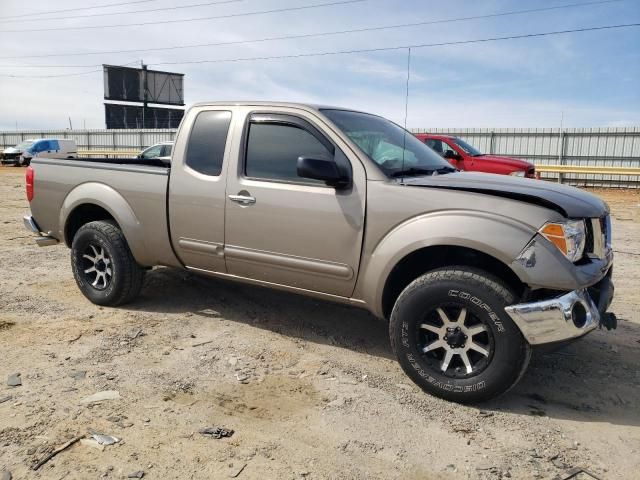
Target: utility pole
[(70, 125), (145, 93)]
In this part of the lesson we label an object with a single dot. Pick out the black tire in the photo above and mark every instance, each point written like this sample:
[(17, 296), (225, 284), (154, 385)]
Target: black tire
[(116, 277), (469, 376)]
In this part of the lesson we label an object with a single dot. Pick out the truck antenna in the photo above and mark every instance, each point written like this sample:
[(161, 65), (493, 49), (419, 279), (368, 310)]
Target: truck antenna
[(406, 108)]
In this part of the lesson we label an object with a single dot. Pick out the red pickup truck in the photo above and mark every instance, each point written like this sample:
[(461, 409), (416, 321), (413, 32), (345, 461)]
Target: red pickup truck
[(465, 157)]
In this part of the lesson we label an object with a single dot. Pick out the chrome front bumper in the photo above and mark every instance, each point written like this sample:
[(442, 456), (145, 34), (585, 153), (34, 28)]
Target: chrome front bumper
[(42, 240), (563, 318)]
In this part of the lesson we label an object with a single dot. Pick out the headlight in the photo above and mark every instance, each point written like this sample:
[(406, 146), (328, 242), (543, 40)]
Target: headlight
[(518, 173), (569, 237)]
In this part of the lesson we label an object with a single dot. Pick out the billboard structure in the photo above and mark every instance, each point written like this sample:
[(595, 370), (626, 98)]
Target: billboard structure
[(130, 116), (141, 85)]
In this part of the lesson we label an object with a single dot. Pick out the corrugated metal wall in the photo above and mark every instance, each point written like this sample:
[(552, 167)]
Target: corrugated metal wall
[(612, 147), (95, 139), (619, 147)]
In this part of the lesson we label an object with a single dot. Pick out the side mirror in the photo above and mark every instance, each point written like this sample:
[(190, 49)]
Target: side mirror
[(451, 155), (322, 169)]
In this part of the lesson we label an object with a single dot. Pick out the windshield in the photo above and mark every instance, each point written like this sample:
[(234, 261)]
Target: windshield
[(396, 151), (24, 145), (469, 150)]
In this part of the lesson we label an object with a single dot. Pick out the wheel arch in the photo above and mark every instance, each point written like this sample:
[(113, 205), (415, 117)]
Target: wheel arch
[(425, 259), (96, 201), (439, 239)]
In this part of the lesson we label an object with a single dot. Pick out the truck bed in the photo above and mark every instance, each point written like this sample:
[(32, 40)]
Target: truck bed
[(132, 190)]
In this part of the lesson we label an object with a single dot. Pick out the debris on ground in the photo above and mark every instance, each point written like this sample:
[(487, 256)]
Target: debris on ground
[(6, 326), (90, 442), (78, 374), (216, 432), (234, 471), (6, 475), (138, 474), (135, 334), (76, 338), (104, 439), (55, 452), (14, 380), (573, 473), (5, 399), (101, 397)]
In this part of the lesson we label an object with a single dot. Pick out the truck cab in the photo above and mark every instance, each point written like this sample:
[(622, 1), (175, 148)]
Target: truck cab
[(466, 157)]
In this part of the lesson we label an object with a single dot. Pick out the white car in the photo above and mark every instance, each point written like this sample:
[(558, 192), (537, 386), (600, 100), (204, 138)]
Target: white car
[(159, 150), (49, 148), (12, 154)]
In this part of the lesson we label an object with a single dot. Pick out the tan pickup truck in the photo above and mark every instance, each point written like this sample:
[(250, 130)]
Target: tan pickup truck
[(471, 270)]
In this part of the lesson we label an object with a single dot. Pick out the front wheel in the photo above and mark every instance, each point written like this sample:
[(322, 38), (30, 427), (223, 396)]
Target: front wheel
[(453, 338), (103, 266)]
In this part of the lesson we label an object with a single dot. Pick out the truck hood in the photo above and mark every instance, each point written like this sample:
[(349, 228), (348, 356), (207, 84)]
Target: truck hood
[(510, 161), (11, 150), (569, 201)]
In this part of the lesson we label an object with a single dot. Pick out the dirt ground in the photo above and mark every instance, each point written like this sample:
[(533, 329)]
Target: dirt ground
[(311, 389)]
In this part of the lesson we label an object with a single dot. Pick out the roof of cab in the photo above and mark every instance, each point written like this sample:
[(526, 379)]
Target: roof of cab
[(246, 103)]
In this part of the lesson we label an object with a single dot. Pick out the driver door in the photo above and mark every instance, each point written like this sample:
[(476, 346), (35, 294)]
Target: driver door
[(284, 229)]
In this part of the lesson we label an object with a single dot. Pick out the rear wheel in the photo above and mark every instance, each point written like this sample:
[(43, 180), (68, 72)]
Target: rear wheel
[(453, 338), (103, 266)]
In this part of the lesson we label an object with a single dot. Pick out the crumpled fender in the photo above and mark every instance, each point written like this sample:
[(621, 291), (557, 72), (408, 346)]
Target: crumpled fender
[(108, 198), (500, 237)]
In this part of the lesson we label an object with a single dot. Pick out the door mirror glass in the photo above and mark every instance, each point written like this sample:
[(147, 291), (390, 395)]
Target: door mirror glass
[(323, 169)]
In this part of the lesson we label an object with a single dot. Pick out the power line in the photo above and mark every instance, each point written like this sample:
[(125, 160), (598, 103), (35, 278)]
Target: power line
[(369, 50), (193, 5), (195, 19), (310, 35), (76, 74), (404, 47), (104, 5)]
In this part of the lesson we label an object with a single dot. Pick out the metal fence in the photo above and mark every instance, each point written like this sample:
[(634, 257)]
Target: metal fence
[(611, 147), (95, 139), (589, 147)]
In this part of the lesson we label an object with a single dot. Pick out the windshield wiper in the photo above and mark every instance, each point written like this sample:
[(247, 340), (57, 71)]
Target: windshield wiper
[(413, 171), (422, 171), (443, 170)]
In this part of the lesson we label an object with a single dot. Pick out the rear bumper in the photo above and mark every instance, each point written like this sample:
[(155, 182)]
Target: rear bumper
[(569, 316), (42, 240)]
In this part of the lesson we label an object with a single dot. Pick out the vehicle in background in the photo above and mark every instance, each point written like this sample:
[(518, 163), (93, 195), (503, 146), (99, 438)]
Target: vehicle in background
[(159, 150), (468, 158), (50, 148), (472, 271), (12, 154)]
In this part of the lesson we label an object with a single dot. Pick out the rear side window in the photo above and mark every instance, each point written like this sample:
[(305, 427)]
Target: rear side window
[(205, 149), (273, 151), (166, 150)]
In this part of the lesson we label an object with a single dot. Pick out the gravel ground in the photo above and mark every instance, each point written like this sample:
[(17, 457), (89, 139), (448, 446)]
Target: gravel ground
[(311, 389)]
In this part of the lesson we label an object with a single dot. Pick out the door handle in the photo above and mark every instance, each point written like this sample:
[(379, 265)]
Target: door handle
[(242, 199)]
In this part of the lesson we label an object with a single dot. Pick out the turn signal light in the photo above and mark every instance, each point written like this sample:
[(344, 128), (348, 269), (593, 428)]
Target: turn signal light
[(569, 237), (555, 234)]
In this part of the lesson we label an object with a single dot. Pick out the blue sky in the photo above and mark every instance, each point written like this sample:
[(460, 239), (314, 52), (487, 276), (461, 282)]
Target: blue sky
[(590, 79)]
